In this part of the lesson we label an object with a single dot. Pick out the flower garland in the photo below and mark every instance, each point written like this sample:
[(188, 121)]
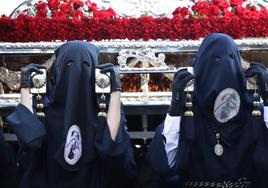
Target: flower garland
[(81, 20)]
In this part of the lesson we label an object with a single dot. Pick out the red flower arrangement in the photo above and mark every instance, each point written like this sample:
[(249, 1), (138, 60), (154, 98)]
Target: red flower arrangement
[(69, 21)]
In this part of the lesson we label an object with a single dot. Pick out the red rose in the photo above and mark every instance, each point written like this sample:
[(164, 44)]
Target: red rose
[(236, 2), (240, 11), (65, 8), (77, 14), (41, 13), (78, 4), (203, 12), (182, 12), (59, 14), (41, 10), (216, 2), (54, 4), (213, 10), (104, 14), (264, 11), (91, 6), (223, 5), (253, 9), (41, 5), (228, 14), (111, 13), (200, 5)]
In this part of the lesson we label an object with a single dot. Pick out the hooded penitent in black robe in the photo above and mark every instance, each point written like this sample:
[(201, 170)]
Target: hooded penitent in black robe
[(71, 146), (221, 104)]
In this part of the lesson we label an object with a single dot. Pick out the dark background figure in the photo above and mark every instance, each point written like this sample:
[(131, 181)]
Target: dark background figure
[(9, 173), (103, 156), (224, 143)]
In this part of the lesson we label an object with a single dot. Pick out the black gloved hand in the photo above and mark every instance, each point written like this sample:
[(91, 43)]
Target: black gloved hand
[(262, 79), (181, 78), (114, 75), (26, 72)]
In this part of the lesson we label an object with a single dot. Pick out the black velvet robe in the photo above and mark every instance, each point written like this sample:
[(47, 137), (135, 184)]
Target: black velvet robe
[(113, 165)]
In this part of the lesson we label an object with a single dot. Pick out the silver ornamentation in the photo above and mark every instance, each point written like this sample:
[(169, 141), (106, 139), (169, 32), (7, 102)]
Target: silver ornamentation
[(10, 78), (241, 182), (155, 8), (117, 45), (9, 100), (218, 149), (39, 80), (141, 59), (103, 81)]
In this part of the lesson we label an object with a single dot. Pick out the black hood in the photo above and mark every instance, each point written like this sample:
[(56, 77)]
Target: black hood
[(217, 67), (73, 101)]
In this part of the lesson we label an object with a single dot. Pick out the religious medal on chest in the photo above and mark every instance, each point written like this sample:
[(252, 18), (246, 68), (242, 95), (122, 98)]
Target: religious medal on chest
[(218, 148)]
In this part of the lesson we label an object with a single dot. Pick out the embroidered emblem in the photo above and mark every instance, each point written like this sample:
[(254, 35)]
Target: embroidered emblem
[(73, 145), (226, 105)]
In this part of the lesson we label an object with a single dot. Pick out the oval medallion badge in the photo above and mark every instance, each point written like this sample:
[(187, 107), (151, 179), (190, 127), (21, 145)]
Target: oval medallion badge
[(73, 145)]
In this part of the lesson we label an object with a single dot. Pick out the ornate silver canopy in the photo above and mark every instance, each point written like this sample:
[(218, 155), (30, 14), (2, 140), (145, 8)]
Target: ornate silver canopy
[(130, 8), (138, 8), (123, 8)]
